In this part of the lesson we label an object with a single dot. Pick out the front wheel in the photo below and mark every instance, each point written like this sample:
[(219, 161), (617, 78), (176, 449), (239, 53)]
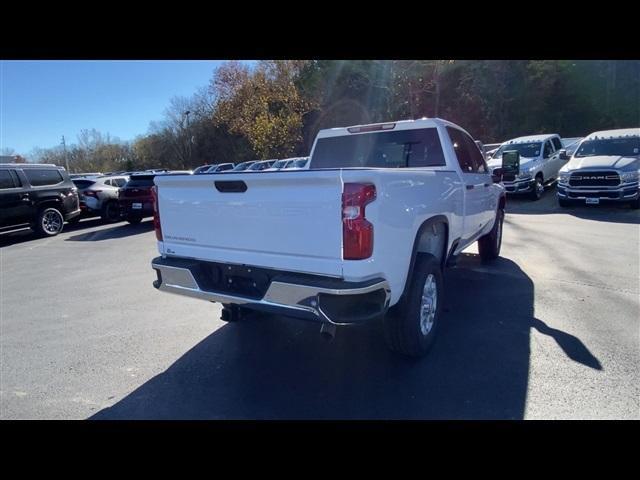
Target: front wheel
[(563, 202), (49, 222), (635, 204), (411, 325), (489, 244), (538, 188)]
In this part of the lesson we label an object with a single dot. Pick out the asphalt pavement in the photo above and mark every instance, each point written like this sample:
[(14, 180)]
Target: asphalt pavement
[(551, 330)]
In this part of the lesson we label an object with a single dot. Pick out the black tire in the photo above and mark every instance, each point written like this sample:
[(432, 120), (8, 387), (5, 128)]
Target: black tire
[(134, 220), (538, 188), (635, 204), (563, 202), (405, 333), (74, 220), (110, 212), (489, 244), (49, 222)]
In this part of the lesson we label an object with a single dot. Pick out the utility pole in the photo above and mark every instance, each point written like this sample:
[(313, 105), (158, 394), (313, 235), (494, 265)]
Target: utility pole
[(66, 160), (188, 138)]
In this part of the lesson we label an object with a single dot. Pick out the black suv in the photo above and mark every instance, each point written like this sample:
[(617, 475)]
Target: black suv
[(38, 196)]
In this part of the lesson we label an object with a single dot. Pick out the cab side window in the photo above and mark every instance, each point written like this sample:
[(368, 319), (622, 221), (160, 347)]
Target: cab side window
[(469, 156), (556, 143), (462, 152), (479, 165), (548, 150)]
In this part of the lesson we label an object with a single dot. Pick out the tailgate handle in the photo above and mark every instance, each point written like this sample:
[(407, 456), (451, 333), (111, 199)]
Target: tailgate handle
[(229, 186)]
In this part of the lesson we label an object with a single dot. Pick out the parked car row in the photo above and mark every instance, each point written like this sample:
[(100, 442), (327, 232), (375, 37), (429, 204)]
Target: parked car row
[(602, 167), (296, 163), (43, 196)]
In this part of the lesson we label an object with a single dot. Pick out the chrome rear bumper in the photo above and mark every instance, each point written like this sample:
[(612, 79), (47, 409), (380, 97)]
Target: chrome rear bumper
[(288, 298)]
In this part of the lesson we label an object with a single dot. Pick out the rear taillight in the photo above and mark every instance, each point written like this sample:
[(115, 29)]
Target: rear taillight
[(92, 193), (156, 213), (357, 232)]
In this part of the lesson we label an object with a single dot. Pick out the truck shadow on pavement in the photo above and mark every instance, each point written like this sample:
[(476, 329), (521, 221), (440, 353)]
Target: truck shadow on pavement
[(277, 368), (120, 231), (609, 212)]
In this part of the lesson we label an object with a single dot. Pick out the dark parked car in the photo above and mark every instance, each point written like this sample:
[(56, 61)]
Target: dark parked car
[(38, 196), (136, 201)]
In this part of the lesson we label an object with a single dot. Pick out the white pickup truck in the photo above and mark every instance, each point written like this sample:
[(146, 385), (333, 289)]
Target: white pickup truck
[(363, 235), (541, 158)]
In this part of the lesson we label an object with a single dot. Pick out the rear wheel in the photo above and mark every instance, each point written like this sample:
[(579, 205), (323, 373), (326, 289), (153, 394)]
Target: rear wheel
[(635, 204), (110, 212), (538, 188), (411, 325), (489, 244), (49, 222)]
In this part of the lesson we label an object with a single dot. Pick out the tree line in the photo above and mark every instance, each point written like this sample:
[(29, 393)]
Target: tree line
[(275, 108)]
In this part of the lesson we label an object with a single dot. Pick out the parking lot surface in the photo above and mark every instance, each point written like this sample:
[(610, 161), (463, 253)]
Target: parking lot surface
[(549, 331)]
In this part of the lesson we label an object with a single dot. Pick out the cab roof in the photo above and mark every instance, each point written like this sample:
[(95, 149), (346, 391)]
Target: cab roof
[(621, 132), (387, 126), (31, 165)]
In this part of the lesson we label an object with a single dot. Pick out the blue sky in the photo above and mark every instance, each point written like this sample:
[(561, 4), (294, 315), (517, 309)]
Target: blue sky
[(42, 100)]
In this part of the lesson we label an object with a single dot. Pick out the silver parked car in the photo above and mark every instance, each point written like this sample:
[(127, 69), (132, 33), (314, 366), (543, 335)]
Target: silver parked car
[(301, 163), (241, 167), (281, 164), (260, 166), (99, 197), (217, 168)]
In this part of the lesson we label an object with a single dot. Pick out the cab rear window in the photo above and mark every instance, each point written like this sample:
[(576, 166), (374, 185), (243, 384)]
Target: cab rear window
[(397, 149)]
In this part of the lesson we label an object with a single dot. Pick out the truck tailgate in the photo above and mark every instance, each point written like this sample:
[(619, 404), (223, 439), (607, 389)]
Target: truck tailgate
[(285, 220)]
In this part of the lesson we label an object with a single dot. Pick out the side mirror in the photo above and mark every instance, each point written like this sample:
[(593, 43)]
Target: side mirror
[(563, 155), (496, 175), (511, 163)]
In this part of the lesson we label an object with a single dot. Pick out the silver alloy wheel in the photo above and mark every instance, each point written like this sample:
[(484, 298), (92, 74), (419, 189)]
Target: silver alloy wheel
[(52, 221), (428, 304)]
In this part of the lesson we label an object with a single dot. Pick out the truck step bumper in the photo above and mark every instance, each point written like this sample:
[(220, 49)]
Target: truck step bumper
[(326, 300)]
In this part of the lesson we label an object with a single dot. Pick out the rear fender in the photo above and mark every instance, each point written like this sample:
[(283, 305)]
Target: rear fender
[(432, 237)]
